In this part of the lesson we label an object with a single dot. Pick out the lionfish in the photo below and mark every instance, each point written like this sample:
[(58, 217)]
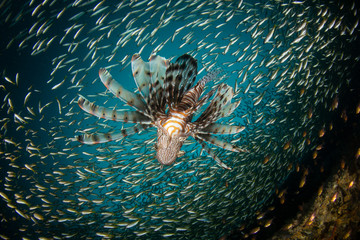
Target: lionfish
[(168, 100)]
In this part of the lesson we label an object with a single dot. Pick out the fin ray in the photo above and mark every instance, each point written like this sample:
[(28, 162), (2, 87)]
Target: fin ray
[(132, 99), (217, 128), (109, 114), (97, 138), (141, 73), (219, 143), (211, 153)]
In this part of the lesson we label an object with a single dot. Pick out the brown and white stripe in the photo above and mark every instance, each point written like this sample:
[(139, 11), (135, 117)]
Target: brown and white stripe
[(175, 123)]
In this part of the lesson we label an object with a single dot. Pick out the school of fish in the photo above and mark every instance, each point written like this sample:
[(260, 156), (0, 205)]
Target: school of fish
[(286, 60)]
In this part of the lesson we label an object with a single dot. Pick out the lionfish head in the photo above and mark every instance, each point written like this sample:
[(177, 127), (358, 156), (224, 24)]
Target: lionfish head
[(168, 147)]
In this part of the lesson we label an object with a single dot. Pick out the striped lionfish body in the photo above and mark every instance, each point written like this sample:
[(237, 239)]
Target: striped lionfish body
[(168, 99)]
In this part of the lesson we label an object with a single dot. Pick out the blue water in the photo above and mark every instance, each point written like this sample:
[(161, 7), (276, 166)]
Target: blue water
[(89, 190)]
